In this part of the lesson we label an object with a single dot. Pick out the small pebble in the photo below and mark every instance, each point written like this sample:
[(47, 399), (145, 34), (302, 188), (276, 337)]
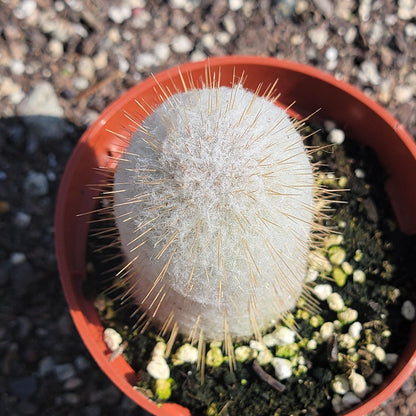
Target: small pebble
[(359, 173), (326, 331), (348, 316), (318, 36), (46, 366), (182, 44), (331, 54), (350, 399), (17, 258), (340, 384), (282, 368), (408, 310), (358, 384), (162, 51), (64, 372), (335, 302), (322, 291), (112, 338), (336, 136), (86, 67), (358, 276), (355, 330), (158, 368), (17, 67), (25, 9), (235, 5), (119, 14)]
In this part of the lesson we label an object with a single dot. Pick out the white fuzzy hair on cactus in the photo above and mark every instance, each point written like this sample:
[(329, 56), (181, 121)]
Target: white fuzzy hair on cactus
[(214, 203)]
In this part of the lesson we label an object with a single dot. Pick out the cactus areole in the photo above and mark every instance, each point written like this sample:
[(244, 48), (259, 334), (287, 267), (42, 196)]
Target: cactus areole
[(213, 200)]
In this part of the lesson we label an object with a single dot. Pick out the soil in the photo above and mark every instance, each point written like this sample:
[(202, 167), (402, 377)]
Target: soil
[(368, 225)]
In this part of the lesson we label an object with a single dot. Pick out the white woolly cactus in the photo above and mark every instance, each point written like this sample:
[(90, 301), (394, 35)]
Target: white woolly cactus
[(214, 202)]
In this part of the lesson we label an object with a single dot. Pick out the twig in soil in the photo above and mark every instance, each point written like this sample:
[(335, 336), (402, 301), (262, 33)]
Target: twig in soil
[(93, 89), (267, 377)]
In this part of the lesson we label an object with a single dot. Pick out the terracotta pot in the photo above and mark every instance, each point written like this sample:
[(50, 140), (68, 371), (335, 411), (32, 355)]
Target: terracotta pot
[(360, 117)]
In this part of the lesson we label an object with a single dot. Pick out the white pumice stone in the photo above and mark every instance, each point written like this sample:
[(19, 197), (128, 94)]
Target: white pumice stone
[(159, 350), (264, 357), (340, 384), (380, 354), (322, 291), (242, 353), (284, 335), (327, 330), (358, 276), (348, 316), (282, 368), (355, 329), (257, 345), (336, 136), (187, 353), (158, 368), (112, 339), (346, 341), (408, 310), (335, 302), (349, 400), (269, 340), (358, 384)]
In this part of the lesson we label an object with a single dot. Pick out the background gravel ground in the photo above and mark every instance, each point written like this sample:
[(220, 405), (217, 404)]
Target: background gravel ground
[(61, 63)]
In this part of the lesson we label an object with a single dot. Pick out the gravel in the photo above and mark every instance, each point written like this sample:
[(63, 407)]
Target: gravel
[(61, 63)]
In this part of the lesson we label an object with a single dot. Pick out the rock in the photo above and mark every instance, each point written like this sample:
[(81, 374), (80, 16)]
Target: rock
[(55, 48), (42, 100), (23, 387), (145, 61), (318, 36), (162, 51), (46, 366), (17, 67), (403, 93), (364, 10), (336, 136), (369, 73), (36, 184), (331, 54), (64, 372), (42, 112), (86, 67), (81, 363), (326, 7), (100, 60), (182, 44), (407, 9), (119, 14), (72, 383), (235, 5), (17, 258), (25, 9), (410, 30), (22, 220)]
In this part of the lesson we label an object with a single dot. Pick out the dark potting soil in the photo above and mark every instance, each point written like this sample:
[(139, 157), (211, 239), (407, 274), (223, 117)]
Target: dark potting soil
[(367, 224)]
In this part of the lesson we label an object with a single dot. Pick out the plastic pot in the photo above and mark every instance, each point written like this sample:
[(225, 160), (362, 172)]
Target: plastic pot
[(362, 119)]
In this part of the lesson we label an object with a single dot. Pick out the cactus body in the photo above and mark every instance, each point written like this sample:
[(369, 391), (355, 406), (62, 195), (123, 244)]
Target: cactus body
[(214, 205)]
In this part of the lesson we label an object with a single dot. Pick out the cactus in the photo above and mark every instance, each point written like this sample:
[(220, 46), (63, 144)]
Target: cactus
[(215, 204)]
